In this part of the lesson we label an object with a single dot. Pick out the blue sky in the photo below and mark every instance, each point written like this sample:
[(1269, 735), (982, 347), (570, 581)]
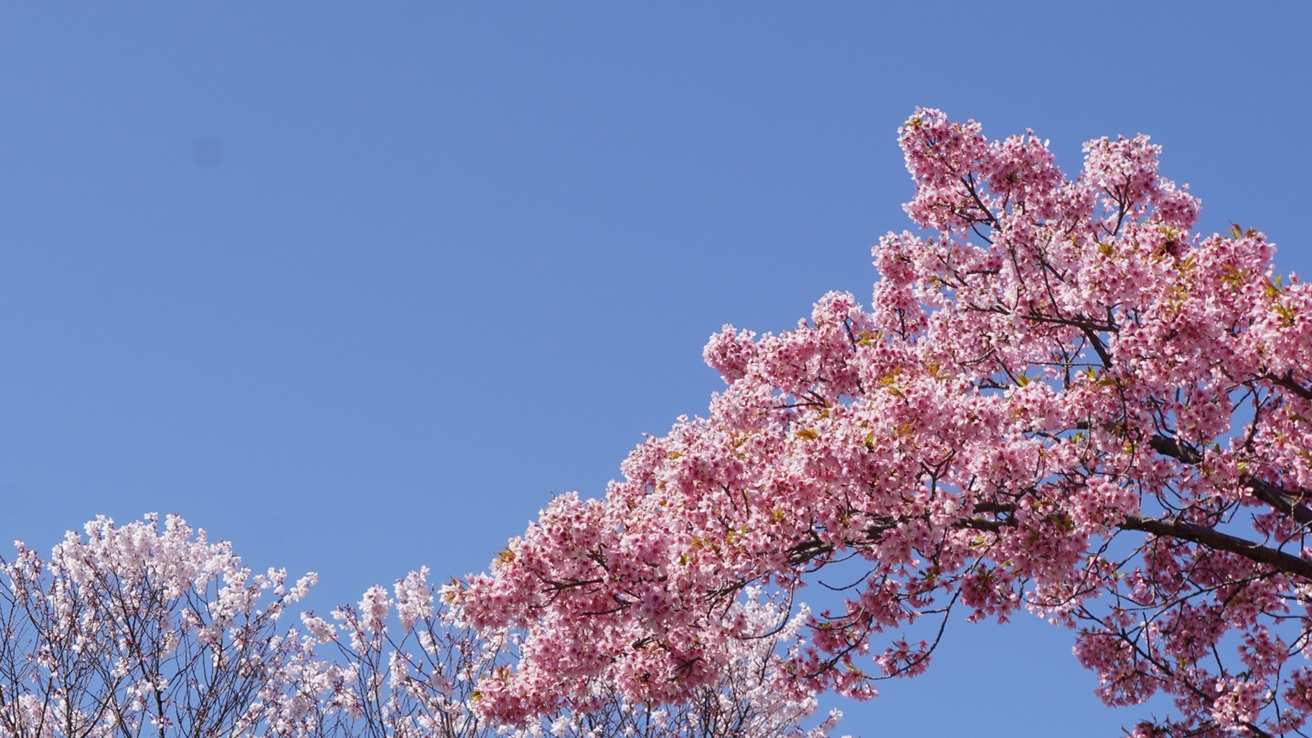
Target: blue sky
[(358, 287)]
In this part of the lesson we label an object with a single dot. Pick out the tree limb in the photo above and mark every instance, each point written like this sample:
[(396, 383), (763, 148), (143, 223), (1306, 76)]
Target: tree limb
[(1285, 562), (1286, 501)]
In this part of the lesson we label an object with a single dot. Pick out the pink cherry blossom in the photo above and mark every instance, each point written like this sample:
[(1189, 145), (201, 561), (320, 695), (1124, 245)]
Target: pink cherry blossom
[(1060, 399)]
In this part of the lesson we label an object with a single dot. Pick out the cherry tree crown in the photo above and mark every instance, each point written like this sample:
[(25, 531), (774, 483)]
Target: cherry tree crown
[(1060, 399)]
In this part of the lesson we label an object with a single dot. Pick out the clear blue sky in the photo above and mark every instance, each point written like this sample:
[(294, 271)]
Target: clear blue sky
[(357, 287)]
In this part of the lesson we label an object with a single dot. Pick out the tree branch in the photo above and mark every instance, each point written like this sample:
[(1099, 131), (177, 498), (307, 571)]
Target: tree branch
[(1183, 452), (1288, 382), (1285, 562), (1288, 502), (1213, 538)]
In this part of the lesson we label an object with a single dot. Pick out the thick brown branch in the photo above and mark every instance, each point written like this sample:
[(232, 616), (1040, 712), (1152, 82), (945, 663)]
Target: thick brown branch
[(988, 526), (1288, 382), (1282, 561), (1288, 502), (807, 550), (1283, 500), (1167, 446), (1213, 538), (1098, 346)]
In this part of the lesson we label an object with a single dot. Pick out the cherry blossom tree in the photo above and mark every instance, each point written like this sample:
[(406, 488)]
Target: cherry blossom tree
[(137, 631), (1060, 400)]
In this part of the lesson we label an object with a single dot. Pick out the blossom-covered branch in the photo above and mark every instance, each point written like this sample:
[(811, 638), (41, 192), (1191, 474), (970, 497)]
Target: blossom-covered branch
[(1060, 399)]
